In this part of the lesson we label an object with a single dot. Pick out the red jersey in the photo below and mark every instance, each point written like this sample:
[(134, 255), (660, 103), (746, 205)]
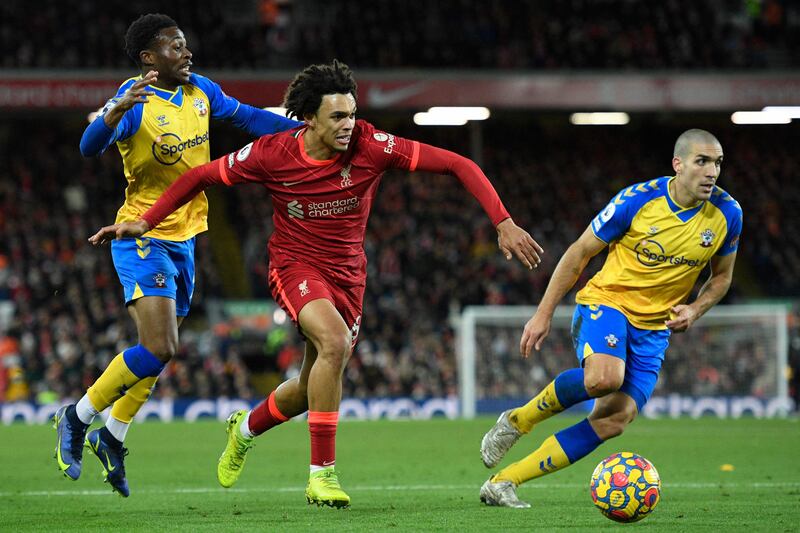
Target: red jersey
[(320, 208)]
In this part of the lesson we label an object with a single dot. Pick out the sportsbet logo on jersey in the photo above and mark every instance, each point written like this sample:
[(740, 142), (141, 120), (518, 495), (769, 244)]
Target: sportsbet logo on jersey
[(650, 253), (168, 148)]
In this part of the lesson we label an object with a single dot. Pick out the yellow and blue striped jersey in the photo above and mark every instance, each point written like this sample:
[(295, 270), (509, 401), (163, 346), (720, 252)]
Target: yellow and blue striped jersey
[(657, 249)]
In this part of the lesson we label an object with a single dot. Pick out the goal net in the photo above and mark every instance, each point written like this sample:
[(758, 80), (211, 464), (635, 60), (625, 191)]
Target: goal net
[(731, 362)]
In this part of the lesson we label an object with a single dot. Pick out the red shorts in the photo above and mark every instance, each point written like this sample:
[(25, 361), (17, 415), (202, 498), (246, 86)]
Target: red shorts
[(294, 286)]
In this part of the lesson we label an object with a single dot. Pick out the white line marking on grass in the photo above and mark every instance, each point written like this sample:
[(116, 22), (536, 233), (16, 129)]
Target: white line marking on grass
[(374, 488)]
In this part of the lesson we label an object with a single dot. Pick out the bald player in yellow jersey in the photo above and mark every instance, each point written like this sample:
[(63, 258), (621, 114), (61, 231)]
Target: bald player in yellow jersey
[(160, 124), (660, 235)]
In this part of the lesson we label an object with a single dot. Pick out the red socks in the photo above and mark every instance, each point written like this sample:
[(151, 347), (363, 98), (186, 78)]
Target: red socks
[(322, 426), (265, 416)]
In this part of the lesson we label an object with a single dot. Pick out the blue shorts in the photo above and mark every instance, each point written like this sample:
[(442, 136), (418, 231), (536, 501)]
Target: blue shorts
[(603, 329), (155, 267)]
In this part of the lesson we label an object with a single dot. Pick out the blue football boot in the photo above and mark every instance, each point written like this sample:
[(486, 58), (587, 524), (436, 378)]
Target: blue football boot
[(69, 445), (111, 457)]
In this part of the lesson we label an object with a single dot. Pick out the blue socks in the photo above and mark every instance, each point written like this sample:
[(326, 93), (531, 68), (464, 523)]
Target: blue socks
[(579, 440), (141, 362), (569, 387)]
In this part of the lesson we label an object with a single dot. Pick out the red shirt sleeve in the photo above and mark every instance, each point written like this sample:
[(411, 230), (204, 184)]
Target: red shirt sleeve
[(183, 189), (386, 150), (432, 159), (249, 163)]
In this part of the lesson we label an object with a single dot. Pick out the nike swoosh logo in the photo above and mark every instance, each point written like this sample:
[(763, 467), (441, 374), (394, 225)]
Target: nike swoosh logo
[(327, 463), (61, 464), (290, 183), (109, 466), (377, 97)]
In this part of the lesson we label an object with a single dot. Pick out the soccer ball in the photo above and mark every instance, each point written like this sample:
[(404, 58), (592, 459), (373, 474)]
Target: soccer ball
[(625, 487)]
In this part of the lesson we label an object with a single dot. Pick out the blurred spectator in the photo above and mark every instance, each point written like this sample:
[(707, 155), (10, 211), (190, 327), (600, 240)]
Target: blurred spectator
[(524, 34), (422, 266)]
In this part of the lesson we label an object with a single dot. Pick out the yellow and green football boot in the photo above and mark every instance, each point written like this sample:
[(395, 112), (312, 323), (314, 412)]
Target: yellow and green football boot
[(324, 489), (231, 462)]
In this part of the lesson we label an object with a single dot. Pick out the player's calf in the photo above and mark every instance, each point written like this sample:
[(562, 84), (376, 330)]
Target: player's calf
[(612, 414)]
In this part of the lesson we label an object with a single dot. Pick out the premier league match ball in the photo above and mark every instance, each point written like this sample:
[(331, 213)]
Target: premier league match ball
[(625, 487)]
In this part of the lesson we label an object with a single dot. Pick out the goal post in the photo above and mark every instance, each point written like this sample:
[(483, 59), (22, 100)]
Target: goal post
[(731, 362)]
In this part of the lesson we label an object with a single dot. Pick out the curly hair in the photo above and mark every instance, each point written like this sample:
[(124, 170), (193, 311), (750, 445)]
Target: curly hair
[(304, 95), (143, 31)]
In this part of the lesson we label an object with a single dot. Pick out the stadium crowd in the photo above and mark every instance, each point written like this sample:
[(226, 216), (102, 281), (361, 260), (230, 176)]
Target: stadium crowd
[(529, 34), (431, 251)]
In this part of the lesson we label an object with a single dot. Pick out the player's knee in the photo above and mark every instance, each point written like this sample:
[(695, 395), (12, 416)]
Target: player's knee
[(598, 386), (611, 426), (336, 347), (164, 349)]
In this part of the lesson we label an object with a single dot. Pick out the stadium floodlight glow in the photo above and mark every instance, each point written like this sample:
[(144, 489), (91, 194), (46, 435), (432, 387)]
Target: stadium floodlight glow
[(788, 110), (277, 110), (429, 119), (600, 119), (469, 113), (450, 116), (760, 117)]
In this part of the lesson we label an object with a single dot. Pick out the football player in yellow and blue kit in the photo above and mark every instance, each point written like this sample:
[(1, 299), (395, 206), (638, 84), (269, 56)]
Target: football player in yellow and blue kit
[(160, 124), (660, 235)]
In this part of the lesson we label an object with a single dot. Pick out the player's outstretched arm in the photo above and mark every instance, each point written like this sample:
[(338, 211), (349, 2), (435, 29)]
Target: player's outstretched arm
[(712, 291), (137, 228), (99, 133), (565, 275), (136, 94), (260, 122), (253, 120), (512, 240), (183, 189)]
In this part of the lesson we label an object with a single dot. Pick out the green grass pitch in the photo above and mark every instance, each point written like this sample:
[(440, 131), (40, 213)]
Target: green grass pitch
[(402, 476)]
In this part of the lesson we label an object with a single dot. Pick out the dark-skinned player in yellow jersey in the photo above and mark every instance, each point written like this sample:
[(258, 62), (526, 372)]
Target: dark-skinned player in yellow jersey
[(159, 121)]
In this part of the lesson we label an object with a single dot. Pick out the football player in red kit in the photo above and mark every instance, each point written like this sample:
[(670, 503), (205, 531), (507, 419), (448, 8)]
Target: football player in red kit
[(322, 178)]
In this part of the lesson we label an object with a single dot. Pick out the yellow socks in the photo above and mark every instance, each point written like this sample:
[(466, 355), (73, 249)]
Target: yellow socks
[(112, 383), (126, 407), (557, 451), (541, 407), (122, 373), (548, 458)]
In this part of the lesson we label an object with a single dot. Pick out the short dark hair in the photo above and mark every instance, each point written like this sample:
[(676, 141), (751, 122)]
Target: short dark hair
[(690, 137), (304, 95), (143, 31)]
